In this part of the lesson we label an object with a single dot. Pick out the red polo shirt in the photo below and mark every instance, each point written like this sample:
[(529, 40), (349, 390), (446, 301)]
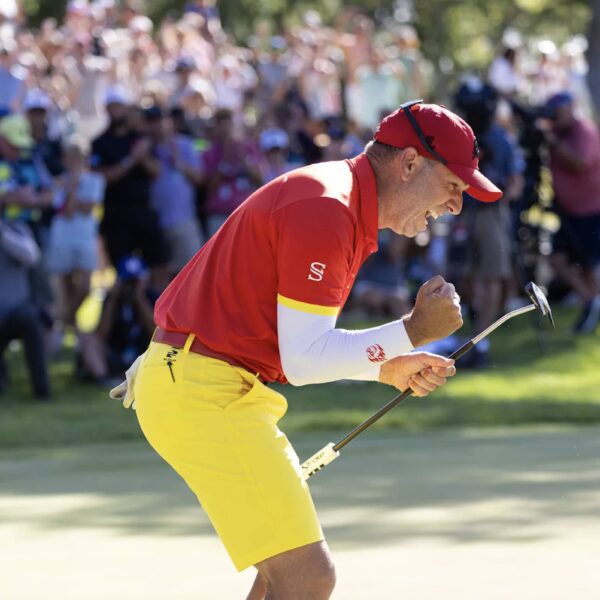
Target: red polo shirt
[(299, 240)]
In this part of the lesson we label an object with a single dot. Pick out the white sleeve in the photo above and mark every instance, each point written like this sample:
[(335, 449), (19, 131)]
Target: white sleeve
[(312, 350)]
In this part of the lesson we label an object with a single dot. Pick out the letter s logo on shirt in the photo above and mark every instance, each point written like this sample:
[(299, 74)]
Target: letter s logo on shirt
[(316, 271)]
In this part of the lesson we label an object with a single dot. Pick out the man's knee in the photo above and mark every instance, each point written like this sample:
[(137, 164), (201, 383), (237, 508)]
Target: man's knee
[(321, 572), (306, 569), (317, 580), (329, 577)]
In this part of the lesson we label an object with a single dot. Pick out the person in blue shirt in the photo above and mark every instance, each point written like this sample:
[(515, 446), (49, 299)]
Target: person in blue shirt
[(173, 191)]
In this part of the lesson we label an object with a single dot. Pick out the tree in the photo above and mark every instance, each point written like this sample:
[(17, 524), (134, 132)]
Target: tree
[(460, 36)]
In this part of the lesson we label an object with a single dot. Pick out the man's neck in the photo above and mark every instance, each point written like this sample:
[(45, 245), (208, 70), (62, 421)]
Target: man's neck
[(380, 185)]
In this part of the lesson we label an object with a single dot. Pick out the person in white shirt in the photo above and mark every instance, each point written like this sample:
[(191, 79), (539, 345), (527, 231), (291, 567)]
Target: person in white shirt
[(503, 73)]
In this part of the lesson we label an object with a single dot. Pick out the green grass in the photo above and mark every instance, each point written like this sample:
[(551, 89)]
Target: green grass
[(536, 377)]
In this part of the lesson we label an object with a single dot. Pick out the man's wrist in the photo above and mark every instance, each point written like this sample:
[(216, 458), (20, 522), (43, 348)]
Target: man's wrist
[(383, 374), (413, 333), (388, 374)]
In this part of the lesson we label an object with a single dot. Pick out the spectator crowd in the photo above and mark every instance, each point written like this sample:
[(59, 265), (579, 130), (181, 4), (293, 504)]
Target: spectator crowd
[(125, 144)]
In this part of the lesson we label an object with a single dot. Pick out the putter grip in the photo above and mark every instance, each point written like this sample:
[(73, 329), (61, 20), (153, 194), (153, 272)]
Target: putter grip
[(317, 461)]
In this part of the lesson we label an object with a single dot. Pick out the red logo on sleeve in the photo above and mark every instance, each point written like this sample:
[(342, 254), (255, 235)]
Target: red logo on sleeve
[(375, 353)]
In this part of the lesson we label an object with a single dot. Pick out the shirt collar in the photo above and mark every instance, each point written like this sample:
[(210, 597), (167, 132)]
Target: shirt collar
[(367, 198)]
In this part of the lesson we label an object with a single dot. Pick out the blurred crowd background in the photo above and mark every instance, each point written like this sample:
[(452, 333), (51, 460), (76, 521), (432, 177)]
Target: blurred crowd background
[(125, 142)]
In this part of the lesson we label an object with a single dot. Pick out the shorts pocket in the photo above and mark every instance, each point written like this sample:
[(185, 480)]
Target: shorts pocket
[(266, 404), (215, 382)]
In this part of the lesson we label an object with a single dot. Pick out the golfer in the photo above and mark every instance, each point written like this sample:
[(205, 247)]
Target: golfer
[(258, 304)]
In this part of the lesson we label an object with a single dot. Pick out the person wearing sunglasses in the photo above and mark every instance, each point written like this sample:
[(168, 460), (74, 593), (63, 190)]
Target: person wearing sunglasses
[(259, 304)]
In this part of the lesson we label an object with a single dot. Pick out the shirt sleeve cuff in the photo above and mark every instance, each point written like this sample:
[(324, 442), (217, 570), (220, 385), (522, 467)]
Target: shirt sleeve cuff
[(372, 374), (394, 338)]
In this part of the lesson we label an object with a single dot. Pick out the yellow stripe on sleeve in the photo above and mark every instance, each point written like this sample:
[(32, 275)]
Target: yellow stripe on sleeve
[(315, 309)]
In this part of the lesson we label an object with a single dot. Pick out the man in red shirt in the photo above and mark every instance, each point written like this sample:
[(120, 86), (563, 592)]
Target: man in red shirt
[(575, 166), (259, 302)]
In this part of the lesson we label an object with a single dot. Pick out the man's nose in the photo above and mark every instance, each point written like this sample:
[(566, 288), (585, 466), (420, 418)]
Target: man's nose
[(455, 204)]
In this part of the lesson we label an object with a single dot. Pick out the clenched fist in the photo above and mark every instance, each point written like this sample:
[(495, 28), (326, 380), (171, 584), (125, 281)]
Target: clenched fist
[(436, 313), (421, 371)]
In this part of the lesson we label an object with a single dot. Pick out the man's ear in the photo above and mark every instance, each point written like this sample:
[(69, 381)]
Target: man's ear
[(409, 160)]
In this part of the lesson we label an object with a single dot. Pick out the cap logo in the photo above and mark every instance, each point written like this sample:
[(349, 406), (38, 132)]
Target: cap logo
[(475, 148)]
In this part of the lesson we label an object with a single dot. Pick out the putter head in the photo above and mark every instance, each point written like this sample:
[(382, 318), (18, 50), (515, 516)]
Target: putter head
[(538, 298)]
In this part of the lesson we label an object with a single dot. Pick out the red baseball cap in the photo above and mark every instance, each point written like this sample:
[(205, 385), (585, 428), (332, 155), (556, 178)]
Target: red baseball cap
[(437, 133)]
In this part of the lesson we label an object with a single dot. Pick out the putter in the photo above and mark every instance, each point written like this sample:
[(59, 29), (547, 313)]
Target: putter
[(330, 452)]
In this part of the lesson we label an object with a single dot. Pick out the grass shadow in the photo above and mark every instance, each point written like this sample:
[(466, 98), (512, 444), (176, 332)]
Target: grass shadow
[(385, 489)]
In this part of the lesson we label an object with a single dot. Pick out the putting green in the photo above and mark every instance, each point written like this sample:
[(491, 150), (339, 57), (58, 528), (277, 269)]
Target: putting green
[(470, 515)]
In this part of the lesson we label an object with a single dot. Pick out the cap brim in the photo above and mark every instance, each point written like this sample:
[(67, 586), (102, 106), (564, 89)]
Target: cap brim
[(480, 187)]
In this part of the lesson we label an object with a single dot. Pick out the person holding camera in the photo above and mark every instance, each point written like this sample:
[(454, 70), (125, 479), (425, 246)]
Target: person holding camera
[(126, 323)]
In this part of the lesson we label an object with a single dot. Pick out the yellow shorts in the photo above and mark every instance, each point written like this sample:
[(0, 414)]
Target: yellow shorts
[(216, 425)]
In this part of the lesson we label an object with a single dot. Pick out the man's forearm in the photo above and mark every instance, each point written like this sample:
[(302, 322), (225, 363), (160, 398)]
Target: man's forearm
[(313, 351)]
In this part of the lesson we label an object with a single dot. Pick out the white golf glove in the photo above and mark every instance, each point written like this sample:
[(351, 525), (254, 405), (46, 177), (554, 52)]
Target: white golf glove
[(124, 391)]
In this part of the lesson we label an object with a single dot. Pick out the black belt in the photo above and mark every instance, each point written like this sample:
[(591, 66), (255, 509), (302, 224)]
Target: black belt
[(178, 340)]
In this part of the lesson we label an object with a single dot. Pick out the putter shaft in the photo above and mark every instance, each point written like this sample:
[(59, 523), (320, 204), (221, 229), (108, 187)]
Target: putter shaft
[(408, 392)]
